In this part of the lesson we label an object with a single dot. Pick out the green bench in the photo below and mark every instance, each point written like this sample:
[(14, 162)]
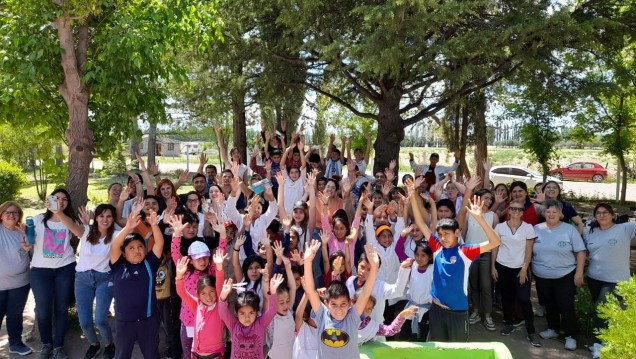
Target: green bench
[(404, 350)]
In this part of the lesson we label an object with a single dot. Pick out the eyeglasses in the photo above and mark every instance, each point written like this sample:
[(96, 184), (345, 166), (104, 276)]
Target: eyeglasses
[(551, 187), (515, 209), (603, 213), (11, 213)]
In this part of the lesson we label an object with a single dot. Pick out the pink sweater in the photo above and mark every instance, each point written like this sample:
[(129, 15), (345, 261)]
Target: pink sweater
[(208, 329), (334, 244), (247, 342), (190, 279)]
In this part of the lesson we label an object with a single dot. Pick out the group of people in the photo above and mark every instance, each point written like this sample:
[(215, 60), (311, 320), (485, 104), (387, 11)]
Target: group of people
[(300, 259)]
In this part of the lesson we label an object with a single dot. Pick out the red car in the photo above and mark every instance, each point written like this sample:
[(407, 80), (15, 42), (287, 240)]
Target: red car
[(582, 171)]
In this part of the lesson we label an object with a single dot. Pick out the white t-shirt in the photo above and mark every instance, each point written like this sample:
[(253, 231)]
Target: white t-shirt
[(280, 336), (294, 190), (420, 285), (93, 256), (52, 247), (512, 251), (362, 165), (306, 344), (474, 233)]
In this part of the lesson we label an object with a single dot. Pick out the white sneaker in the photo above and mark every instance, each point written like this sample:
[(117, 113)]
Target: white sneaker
[(570, 343), (596, 350), (474, 318), (549, 334)]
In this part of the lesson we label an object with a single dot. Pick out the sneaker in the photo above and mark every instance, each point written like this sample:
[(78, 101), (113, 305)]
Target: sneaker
[(570, 343), (534, 340), (507, 329), (58, 353), (489, 324), (47, 350), (518, 322), (109, 351), (91, 352), (474, 318), (20, 349), (596, 350), (549, 334), (540, 311)]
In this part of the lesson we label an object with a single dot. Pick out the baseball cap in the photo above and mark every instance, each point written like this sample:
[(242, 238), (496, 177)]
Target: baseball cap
[(198, 250), (382, 228), (300, 205)]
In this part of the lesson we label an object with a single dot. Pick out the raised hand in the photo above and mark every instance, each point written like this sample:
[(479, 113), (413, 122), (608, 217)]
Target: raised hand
[(390, 174), (286, 221), (346, 187), (278, 250), (183, 177), (280, 178), (219, 227), (311, 250), (247, 221), (474, 206), (500, 195), (176, 222), (324, 237), (487, 165), (226, 290), (386, 188), (154, 168), (276, 280), (392, 164), (140, 161), (268, 165), (311, 179), (392, 208), (153, 219), (240, 240), (473, 182), (407, 263), (295, 256), (372, 255), (84, 215), (182, 267), (138, 205), (406, 231), (218, 258), (380, 210), (133, 220), (203, 159)]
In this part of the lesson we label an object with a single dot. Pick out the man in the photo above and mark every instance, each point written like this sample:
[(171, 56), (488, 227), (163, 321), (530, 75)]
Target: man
[(433, 173)]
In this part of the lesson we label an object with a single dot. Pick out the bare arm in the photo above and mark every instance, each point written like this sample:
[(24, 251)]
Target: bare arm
[(310, 288), (219, 142), (300, 312), (115, 248), (372, 254)]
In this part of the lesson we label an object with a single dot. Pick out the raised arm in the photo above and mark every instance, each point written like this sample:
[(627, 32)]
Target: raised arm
[(219, 142), (367, 289), (300, 310), (75, 228), (415, 206), (153, 220), (236, 265), (150, 189), (310, 288), (493, 238), (115, 248)]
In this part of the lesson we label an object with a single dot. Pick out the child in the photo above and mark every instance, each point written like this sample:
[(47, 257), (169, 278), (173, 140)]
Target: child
[(248, 331), (338, 320), (292, 183), (208, 335), (419, 293), (134, 275), (199, 266), (369, 328), (306, 344), (334, 163), (449, 312), (340, 232), (337, 266), (280, 332), (251, 272)]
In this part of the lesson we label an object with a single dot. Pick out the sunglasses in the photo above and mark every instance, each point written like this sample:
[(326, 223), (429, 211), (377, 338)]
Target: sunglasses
[(515, 209)]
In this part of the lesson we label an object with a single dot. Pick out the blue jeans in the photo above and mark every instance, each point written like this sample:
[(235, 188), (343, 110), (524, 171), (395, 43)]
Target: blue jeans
[(53, 293), (94, 286), (12, 302)]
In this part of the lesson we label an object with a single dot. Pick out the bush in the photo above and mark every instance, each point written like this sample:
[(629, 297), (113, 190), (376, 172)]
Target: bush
[(11, 180), (116, 163), (618, 337), (584, 309)]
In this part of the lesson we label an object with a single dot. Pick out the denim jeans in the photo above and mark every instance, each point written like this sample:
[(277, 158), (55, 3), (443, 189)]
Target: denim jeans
[(53, 293), (12, 302), (98, 287)]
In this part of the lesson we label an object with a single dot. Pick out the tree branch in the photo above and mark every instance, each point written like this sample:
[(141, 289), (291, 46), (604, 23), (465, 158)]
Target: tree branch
[(338, 100), (82, 46), (369, 93)]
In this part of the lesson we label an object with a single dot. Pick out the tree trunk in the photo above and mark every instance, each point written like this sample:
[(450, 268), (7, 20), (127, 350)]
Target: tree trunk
[(76, 95), (152, 143), (463, 141), (390, 134), (239, 123), (134, 144), (478, 106)]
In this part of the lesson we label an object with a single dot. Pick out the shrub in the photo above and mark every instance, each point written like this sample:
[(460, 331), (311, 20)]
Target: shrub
[(116, 163), (618, 337), (584, 309), (11, 180)]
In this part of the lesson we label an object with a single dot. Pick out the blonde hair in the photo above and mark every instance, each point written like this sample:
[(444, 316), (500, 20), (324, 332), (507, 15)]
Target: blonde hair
[(6, 205)]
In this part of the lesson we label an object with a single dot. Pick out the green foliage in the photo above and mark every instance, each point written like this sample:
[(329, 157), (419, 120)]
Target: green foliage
[(538, 138), (115, 164), (618, 337), (584, 309), (11, 180)]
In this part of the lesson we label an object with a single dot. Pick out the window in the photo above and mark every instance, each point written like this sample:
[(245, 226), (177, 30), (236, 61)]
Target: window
[(141, 146), (576, 165), (588, 165), (501, 171), (170, 146), (518, 172)]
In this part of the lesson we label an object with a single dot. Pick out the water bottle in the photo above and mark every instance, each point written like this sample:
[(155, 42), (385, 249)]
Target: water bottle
[(30, 231)]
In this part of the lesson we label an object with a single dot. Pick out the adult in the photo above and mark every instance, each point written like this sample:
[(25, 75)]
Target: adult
[(235, 156), (94, 280), (53, 274), (519, 194), (608, 244), (114, 193), (14, 275), (557, 262), (511, 269), (552, 190), (432, 173), (166, 193), (198, 183)]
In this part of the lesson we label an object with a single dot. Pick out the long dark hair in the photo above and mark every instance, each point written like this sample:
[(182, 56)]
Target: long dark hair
[(94, 235), (521, 185), (247, 263), (595, 223), (68, 211)]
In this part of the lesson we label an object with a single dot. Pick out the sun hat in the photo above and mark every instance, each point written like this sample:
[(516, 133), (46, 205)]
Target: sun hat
[(198, 250)]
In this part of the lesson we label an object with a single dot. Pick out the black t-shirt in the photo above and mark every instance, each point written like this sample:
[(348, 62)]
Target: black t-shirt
[(135, 297)]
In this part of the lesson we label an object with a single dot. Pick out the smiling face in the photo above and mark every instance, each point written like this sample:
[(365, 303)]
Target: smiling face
[(298, 215), (150, 205), (226, 177), (294, 173), (552, 216), (104, 220), (518, 194), (246, 315), (515, 210), (166, 191), (380, 178), (448, 237), (207, 295), (330, 189), (422, 259), (363, 270), (199, 184), (604, 216), (135, 252), (338, 307), (200, 264), (114, 192), (215, 192), (339, 230), (451, 191), (193, 202), (444, 212), (11, 216), (210, 172), (190, 230), (551, 190), (385, 238)]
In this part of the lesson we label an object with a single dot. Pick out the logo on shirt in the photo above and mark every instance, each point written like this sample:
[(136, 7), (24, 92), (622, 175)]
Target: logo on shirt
[(612, 242), (562, 244), (334, 338), (453, 259)]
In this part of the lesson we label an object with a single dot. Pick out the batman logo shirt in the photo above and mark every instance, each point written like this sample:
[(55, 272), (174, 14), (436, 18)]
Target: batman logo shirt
[(334, 338)]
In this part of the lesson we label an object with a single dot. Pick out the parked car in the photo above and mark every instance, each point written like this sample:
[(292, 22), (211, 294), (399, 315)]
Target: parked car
[(581, 170), (509, 173)]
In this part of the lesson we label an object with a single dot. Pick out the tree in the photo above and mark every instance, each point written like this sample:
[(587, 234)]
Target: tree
[(104, 60), (412, 59)]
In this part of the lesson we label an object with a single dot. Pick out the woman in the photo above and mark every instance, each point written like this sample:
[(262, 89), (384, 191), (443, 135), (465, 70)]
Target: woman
[(114, 192), (519, 193), (53, 274), (511, 269), (93, 280), (609, 246), (557, 262), (166, 191), (14, 275), (235, 155), (552, 190), (501, 197)]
